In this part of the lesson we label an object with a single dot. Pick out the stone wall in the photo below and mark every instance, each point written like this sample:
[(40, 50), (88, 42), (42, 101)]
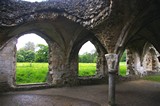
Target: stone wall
[(115, 24), (59, 68), (7, 65), (130, 62), (88, 13)]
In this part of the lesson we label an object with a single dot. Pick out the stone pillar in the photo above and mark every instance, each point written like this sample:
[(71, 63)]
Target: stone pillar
[(130, 58), (112, 62), (60, 71), (7, 65)]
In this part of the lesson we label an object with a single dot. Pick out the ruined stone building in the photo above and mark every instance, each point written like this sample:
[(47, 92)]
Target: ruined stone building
[(113, 26)]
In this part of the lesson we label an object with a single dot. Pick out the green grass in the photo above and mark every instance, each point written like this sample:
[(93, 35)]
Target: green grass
[(27, 73), (31, 73), (153, 78), (87, 69), (37, 72), (122, 68)]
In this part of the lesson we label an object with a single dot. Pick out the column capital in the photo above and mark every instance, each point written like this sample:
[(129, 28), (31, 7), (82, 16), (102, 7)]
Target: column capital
[(112, 62)]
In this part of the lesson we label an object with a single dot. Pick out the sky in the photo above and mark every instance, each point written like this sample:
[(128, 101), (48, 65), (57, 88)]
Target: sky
[(87, 47), (30, 38)]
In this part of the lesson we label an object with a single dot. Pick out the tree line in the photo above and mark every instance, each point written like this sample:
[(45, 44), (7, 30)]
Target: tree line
[(88, 57), (39, 53), (92, 57), (32, 53)]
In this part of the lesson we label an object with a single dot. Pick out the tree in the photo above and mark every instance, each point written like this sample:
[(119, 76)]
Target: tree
[(20, 58), (123, 58), (42, 54), (21, 55), (25, 55), (30, 56), (29, 46), (88, 57)]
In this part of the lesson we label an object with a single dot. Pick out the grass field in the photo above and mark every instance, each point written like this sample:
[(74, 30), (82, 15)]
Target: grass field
[(153, 78), (87, 69), (31, 73), (122, 68), (37, 72)]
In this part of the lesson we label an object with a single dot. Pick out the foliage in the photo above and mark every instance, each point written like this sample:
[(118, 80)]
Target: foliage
[(123, 58), (28, 53), (20, 58), (88, 57), (29, 57), (29, 46), (25, 56), (42, 53)]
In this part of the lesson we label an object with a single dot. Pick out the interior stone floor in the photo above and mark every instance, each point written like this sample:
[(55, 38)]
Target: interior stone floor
[(132, 93)]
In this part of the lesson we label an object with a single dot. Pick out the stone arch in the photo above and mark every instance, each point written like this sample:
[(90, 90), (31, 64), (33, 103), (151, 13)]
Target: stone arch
[(134, 57), (148, 32), (33, 62), (9, 48), (86, 48), (140, 26), (150, 58), (61, 40), (62, 8), (144, 26), (137, 49), (101, 61)]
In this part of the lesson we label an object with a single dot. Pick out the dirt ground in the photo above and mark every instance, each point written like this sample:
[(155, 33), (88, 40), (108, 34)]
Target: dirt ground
[(133, 93)]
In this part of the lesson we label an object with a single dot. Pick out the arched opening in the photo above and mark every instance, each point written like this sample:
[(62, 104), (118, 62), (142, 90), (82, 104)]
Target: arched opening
[(141, 58), (87, 60), (151, 62), (32, 59), (122, 64)]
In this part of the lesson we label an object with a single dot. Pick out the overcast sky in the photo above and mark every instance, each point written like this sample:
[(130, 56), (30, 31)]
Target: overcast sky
[(30, 37), (87, 47)]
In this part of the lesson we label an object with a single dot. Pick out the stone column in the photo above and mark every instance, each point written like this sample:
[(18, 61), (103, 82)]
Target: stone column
[(112, 62), (7, 65), (60, 71), (130, 60)]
